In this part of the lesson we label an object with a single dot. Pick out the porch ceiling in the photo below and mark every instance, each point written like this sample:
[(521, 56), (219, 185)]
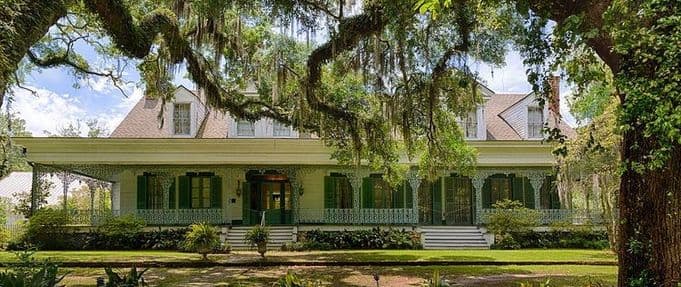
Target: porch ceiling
[(177, 151)]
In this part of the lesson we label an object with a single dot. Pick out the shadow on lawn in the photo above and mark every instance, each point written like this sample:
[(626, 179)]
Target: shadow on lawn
[(378, 257)]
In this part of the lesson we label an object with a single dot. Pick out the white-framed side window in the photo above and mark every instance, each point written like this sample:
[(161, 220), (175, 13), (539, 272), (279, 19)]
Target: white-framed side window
[(182, 118), (245, 128), (280, 130), (535, 122), (471, 125)]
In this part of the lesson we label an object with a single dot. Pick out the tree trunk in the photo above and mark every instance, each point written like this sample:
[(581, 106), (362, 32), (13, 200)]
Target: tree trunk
[(650, 226), (30, 19)]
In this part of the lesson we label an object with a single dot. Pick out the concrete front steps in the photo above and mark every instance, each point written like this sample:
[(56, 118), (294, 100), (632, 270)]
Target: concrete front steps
[(278, 235), (453, 237)]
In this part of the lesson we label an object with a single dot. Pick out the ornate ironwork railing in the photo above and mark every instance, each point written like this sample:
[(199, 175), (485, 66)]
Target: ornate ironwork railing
[(358, 216), (550, 216), (152, 216)]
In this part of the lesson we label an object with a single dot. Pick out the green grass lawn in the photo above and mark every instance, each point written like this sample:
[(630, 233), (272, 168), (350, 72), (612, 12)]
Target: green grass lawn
[(559, 275), (352, 256)]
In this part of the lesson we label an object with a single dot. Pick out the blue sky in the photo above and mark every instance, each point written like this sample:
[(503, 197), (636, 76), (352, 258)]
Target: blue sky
[(59, 102)]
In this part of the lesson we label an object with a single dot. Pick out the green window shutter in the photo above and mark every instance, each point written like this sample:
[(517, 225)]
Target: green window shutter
[(246, 202), (216, 192), (437, 202), (398, 196), (487, 193), (185, 196), (330, 192), (529, 193), (367, 192), (171, 196), (409, 196), (142, 192), (517, 187)]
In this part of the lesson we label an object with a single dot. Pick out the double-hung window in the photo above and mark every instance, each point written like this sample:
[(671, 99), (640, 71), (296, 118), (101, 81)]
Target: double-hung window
[(181, 119), (281, 130), (149, 192), (245, 128), (535, 122), (471, 125), (200, 187), (337, 191)]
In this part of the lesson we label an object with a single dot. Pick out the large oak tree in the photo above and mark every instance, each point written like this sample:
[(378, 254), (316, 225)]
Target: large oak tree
[(393, 77)]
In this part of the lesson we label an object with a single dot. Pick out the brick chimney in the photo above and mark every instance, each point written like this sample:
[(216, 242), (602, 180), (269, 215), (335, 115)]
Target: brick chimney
[(554, 96)]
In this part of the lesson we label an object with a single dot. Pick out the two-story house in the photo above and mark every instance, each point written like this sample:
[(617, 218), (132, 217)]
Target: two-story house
[(206, 166)]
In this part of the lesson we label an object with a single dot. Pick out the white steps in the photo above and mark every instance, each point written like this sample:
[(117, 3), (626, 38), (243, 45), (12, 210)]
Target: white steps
[(453, 237), (278, 235)]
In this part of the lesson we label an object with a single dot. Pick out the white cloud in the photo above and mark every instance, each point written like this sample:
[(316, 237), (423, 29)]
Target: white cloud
[(46, 110), (114, 117)]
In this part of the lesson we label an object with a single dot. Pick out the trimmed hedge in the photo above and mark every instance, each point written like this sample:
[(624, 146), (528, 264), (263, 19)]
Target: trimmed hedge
[(359, 239), (579, 239), (155, 240)]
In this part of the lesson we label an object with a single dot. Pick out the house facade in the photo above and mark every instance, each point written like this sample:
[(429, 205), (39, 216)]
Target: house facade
[(204, 166)]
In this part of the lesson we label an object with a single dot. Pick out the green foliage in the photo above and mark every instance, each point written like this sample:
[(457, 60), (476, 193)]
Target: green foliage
[(374, 238), (436, 280), (47, 229), (202, 238), (257, 235), (292, 280), (511, 216), (11, 158), (572, 239), (132, 279), (31, 273), (127, 225)]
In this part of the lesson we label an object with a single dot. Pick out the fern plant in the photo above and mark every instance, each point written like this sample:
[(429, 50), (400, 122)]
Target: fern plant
[(202, 238), (132, 279)]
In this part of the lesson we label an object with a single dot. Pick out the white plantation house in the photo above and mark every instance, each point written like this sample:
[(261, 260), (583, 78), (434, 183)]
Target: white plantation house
[(202, 165)]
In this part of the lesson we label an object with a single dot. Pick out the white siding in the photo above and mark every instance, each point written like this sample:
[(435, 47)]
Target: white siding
[(516, 115)]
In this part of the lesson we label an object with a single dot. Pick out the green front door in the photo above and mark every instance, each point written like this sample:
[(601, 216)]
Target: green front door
[(271, 197)]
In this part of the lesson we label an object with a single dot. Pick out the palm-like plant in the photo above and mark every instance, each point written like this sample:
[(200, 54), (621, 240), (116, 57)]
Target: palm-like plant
[(258, 236), (202, 238)]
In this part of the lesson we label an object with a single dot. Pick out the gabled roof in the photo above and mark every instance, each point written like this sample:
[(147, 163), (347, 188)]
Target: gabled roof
[(143, 122)]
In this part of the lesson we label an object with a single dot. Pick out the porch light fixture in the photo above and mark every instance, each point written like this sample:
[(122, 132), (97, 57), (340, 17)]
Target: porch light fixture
[(238, 188)]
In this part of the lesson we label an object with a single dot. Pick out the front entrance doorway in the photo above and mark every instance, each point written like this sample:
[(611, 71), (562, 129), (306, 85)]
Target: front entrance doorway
[(268, 192), (458, 193)]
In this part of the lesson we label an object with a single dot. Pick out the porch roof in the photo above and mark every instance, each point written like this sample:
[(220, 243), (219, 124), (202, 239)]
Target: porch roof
[(182, 151)]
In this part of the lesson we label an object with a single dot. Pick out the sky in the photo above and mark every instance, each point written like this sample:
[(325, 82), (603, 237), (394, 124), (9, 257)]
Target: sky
[(61, 99)]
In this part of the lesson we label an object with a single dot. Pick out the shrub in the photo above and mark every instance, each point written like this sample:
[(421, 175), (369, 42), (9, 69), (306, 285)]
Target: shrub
[(202, 238), (30, 272), (361, 239), (127, 225), (132, 279), (46, 229), (292, 246), (292, 280), (577, 238), (510, 216)]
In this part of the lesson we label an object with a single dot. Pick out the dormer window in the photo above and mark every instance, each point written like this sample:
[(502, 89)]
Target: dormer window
[(182, 119), (245, 128), (470, 125), (535, 122), (281, 130)]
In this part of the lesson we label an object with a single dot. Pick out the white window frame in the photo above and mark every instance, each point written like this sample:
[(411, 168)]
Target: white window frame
[(535, 126), (239, 130), (281, 130), (178, 117), (470, 125)]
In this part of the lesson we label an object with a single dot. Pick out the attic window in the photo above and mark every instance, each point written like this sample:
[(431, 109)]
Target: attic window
[(471, 125), (281, 130), (181, 119), (535, 122), (245, 128)]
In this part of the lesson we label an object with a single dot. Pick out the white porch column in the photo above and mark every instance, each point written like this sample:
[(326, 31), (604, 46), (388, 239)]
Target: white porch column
[(478, 182), (115, 197), (536, 180), (415, 183), (167, 179), (66, 180)]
